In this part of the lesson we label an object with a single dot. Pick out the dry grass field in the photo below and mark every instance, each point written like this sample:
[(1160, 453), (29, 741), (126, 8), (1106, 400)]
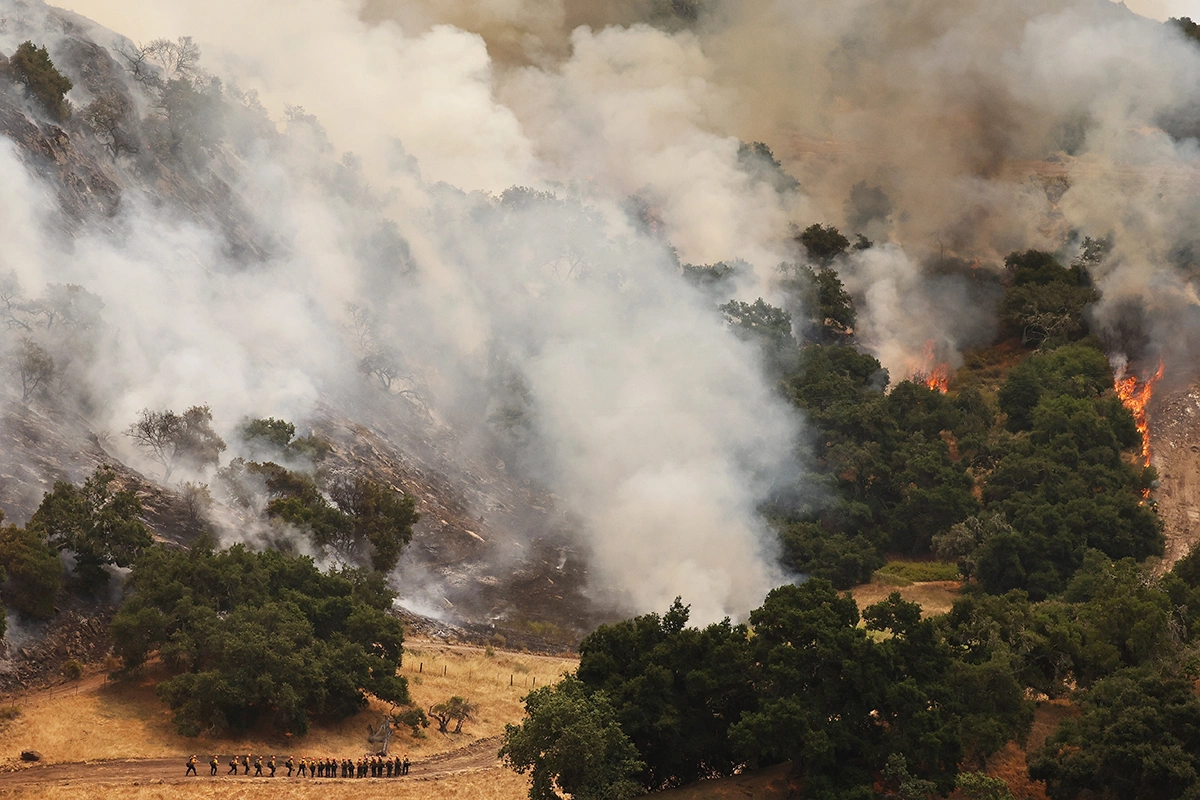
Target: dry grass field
[(934, 597), (491, 784), (95, 719)]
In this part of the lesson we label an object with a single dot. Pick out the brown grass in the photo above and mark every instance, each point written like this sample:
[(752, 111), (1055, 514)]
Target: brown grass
[(492, 784), (934, 597), (482, 680), (102, 719), (1010, 764)]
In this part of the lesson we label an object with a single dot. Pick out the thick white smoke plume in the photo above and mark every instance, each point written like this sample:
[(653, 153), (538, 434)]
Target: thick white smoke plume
[(951, 133)]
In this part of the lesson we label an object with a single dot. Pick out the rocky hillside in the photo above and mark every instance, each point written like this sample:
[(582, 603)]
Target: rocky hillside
[(490, 550)]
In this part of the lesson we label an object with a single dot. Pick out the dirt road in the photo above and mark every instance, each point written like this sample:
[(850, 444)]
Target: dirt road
[(475, 757)]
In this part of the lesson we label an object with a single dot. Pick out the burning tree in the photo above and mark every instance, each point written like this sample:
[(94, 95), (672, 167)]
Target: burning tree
[(1135, 393), (931, 370)]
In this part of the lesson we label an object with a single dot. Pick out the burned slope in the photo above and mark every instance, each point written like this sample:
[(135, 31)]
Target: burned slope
[(489, 548), (1175, 442)]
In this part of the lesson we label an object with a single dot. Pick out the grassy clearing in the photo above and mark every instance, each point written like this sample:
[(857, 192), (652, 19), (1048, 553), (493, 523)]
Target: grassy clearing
[(934, 598), (481, 679), (492, 784), (906, 573), (125, 719)]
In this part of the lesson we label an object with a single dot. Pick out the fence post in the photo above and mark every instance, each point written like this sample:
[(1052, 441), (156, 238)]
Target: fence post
[(422, 667), (443, 670), (510, 679)]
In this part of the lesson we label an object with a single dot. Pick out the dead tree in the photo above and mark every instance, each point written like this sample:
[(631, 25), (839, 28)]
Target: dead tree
[(381, 737)]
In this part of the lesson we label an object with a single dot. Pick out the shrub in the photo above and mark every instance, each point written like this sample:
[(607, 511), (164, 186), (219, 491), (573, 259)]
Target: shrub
[(72, 670)]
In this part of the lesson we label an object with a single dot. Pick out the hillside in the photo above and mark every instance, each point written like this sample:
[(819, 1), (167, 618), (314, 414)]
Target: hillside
[(823, 375)]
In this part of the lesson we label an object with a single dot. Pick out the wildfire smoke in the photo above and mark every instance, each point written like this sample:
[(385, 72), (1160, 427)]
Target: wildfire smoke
[(931, 371)]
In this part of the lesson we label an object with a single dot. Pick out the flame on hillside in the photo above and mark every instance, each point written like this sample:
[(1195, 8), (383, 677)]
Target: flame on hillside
[(1135, 393), (930, 371)]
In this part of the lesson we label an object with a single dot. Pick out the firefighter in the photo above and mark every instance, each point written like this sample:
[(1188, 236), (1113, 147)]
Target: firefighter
[(212, 765), (246, 764), (232, 766), (290, 764), (271, 767), (191, 767), (258, 767), (406, 763), (303, 767)]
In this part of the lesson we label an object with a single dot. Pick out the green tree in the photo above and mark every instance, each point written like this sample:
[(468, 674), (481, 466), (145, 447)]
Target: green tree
[(675, 690), (34, 571), (571, 741), (823, 243), (978, 786), (1124, 620), (97, 524), (256, 637), (1039, 643), (1137, 738), (32, 66), (366, 520), (759, 320), (381, 518), (837, 704), (457, 710), (1044, 301), (845, 560), (192, 115), (1077, 371), (962, 541), (279, 436), (828, 314)]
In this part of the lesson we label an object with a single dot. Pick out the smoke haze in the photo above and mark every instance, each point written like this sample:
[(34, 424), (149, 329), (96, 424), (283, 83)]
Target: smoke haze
[(974, 128)]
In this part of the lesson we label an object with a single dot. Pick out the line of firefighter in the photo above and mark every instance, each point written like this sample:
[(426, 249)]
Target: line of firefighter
[(364, 767)]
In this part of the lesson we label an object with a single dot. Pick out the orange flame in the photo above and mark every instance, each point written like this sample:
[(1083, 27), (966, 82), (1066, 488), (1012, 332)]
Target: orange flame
[(1136, 394), (934, 374)]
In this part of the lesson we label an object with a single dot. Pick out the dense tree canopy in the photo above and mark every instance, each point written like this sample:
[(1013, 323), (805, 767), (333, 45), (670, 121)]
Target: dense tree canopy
[(1138, 738), (810, 685), (259, 636), (676, 690)]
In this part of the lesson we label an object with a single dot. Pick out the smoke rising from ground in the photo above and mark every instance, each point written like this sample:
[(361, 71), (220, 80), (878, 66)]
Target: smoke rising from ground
[(990, 127), (980, 128)]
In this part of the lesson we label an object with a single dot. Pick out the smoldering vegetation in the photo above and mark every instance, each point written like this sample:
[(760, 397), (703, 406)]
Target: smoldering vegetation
[(473, 218)]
